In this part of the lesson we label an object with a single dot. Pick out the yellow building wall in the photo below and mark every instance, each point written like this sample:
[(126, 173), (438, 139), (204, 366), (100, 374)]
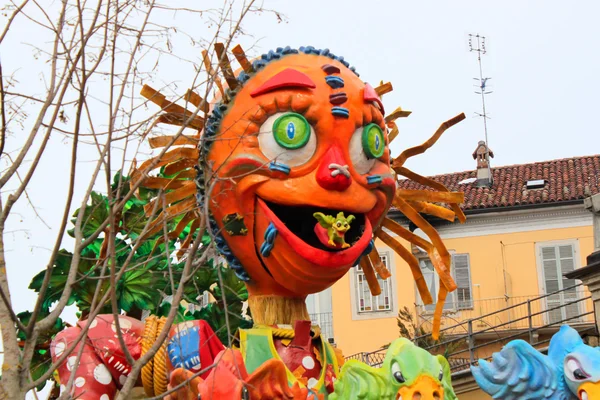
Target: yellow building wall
[(490, 255)]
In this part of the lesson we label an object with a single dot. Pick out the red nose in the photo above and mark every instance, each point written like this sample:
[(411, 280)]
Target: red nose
[(333, 173)]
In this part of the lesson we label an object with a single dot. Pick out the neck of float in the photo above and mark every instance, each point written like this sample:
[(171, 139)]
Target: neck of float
[(277, 310)]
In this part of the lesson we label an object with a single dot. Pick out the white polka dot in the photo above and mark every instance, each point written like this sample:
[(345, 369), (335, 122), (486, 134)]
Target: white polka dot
[(122, 379), (125, 325), (312, 382), (308, 362), (71, 362), (80, 381), (59, 349), (104, 397), (93, 323), (102, 375)]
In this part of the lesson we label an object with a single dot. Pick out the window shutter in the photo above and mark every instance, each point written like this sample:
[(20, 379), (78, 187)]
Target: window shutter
[(462, 274), (551, 283), (557, 261), (566, 255)]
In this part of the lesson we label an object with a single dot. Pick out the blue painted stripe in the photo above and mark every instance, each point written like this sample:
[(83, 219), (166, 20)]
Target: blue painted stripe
[(275, 166), (340, 112), (371, 179), (270, 235), (334, 81)]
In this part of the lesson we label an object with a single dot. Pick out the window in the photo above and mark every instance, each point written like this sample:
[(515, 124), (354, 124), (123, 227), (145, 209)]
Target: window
[(367, 302), (462, 275), (557, 260), (461, 298)]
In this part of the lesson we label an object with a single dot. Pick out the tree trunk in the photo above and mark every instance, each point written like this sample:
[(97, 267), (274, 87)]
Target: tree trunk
[(11, 368)]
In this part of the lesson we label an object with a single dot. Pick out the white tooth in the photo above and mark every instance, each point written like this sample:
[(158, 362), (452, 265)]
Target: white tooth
[(110, 359), (584, 395)]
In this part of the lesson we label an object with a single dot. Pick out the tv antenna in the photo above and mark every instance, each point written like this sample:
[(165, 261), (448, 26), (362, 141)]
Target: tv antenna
[(477, 44)]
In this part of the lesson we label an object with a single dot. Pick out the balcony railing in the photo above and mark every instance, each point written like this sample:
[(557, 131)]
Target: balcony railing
[(507, 313), (325, 322), (533, 319), (489, 324), (374, 358)]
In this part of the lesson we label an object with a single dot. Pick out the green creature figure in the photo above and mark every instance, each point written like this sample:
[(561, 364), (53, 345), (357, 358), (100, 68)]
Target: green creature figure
[(406, 371), (336, 227)]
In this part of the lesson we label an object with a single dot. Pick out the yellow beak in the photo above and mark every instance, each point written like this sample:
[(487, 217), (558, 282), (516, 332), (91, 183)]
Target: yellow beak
[(424, 388), (589, 391)]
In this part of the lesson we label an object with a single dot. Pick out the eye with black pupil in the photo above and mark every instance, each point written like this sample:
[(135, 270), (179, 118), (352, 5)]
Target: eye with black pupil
[(441, 374), (579, 375), (399, 377)]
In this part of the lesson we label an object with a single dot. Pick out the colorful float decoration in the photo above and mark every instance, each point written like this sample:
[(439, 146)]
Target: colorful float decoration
[(292, 163), (570, 371), (407, 372)]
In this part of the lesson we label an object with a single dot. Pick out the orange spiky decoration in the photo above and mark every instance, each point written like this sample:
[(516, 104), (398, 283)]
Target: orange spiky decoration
[(296, 133)]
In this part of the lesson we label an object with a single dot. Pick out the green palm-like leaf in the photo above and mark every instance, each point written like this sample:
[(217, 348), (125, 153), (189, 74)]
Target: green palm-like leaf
[(136, 288)]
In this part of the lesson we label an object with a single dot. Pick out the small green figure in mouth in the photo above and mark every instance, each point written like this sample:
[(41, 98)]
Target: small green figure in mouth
[(336, 228)]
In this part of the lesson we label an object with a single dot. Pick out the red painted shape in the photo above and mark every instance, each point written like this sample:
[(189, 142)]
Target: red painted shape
[(389, 181), (288, 78), (329, 378), (300, 351), (323, 237), (322, 258), (370, 94), (92, 379), (325, 179), (103, 336)]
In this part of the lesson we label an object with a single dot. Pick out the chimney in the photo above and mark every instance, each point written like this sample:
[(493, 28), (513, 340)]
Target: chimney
[(484, 173)]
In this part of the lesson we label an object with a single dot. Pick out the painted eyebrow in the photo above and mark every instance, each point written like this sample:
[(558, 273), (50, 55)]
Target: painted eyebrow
[(288, 78)]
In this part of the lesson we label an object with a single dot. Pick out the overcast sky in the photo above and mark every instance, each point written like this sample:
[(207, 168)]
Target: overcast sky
[(543, 58)]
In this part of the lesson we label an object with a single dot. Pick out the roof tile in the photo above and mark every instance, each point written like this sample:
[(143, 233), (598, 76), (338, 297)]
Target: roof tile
[(566, 180)]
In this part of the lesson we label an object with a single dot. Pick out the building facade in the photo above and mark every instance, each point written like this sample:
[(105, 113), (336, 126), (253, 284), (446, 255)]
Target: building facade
[(526, 227)]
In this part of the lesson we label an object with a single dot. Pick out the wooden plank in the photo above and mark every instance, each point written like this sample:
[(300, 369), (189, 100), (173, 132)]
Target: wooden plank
[(226, 66), (384, 88), (212, 73), (239, 54)]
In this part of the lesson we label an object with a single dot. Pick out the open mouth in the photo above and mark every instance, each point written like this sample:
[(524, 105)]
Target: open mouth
[(301, 222), (300, 229)]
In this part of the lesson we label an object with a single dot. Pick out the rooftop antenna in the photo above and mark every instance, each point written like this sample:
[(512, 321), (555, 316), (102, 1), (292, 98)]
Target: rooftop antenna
[(477, 44)]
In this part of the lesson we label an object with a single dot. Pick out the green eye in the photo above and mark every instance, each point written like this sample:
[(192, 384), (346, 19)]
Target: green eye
[(373, 141), (291, 131)]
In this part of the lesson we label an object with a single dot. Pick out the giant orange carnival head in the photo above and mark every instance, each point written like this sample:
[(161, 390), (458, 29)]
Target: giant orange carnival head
[(303, 135), (299, 175)]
